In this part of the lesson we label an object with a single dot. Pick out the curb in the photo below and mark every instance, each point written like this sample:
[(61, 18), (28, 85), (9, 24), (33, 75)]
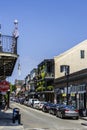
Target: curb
[(85, 124), (83, 118)]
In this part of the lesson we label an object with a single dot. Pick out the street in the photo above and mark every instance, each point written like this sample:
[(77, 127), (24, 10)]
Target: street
[(33, 119)]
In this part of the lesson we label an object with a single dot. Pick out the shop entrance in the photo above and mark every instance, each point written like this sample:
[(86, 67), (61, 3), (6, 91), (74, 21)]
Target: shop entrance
[(81, 100)]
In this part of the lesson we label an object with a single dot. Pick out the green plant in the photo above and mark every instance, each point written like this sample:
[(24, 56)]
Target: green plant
[(43, 75), (44, 67), (12, 87), (50, 88), (40, 88)]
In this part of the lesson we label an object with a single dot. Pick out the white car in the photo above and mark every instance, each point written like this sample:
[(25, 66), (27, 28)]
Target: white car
[(40, 104), (35, 104), (31, 101)]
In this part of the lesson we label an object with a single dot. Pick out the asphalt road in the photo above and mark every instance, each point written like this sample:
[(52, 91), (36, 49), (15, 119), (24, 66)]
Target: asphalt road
[(33, 119)]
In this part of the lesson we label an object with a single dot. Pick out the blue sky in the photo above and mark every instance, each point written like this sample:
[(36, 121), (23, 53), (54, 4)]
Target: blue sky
[(46, 27)]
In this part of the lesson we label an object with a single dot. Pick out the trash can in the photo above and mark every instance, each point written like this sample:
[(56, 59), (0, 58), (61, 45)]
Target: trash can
[(16, 115)]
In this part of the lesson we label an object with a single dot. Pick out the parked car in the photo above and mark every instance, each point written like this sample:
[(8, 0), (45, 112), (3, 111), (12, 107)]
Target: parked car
[(40, 104), (67, 111), (46, 106), (21, 100), (26, 102), (31, 101), (35, 103), (53, 108)]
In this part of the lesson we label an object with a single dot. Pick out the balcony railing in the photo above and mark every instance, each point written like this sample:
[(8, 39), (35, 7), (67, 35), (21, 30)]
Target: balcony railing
[(49, 75), (8, 44)]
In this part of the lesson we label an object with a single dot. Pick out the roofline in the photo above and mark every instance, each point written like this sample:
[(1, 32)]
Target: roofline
[(71, 49)]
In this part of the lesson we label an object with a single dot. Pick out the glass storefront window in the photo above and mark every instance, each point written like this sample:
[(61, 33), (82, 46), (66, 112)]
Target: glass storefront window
[(81, 100)]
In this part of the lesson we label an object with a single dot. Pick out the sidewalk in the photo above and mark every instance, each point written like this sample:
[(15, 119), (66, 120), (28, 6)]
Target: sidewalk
[(84, 118), (6, 122)]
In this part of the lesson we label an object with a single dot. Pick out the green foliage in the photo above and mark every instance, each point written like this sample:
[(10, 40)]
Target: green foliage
[(40, 88), (50, 88), (6, 96), (12, 88), (43, 75), (37, 84), (41, 83)]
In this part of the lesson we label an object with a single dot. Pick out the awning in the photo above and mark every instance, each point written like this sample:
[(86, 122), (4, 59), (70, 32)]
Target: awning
[(4, 86)]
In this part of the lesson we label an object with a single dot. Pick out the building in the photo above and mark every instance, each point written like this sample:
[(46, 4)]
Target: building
[(45, 80), (73, 87), (75, 57), (8, 58), (31, 84), (19, 86)]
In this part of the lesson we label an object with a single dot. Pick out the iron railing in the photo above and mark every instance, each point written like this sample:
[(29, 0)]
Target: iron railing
[(8, 44)]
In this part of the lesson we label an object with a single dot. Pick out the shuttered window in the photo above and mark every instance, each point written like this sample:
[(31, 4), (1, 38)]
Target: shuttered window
[(82, 54)]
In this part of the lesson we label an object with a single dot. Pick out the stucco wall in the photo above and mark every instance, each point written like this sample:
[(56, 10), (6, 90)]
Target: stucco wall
[(72, 58)]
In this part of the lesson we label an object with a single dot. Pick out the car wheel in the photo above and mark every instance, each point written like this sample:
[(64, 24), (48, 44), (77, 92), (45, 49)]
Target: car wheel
[(76, 118), (61, 115), (49, 111), (53, 113), (56, 114), (43, 109)]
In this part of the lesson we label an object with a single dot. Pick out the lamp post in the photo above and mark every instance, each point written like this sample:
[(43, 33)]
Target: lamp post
[(15, 36), (8, 100), (66, 69)]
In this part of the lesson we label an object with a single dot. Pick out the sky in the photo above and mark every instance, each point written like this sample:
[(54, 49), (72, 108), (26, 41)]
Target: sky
[(47, 28)]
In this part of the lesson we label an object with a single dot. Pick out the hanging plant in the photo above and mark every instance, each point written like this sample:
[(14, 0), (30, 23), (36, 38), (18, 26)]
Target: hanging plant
[(40, 89), (37, 84), (40, 82), (44, 67), (50, 88), (43, 75)]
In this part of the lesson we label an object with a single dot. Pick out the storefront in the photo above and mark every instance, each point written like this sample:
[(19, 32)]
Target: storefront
[(77, 90), (78, 96)]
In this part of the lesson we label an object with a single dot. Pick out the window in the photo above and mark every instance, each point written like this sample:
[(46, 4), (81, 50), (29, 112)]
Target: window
[(82, 54)]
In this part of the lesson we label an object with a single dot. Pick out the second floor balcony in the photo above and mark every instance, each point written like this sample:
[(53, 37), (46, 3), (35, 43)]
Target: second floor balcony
[(8, 44), (8, 55)]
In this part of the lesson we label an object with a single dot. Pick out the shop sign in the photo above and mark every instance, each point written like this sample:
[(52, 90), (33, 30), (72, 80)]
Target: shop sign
[(64, 94), (4, 86)]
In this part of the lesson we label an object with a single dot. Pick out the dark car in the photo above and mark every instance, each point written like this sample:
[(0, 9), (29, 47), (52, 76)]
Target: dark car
[(67, 111), (53, 108), (21, 100), (46, 106)]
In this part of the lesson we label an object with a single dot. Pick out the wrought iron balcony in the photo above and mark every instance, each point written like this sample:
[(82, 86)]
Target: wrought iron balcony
[(8, 52), (49, 75), (8, 44), (8, 55)]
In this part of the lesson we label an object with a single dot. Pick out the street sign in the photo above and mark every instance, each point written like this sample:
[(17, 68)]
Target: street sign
[(4, 86)]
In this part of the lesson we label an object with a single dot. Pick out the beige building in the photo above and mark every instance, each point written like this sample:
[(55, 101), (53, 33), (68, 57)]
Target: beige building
[(75, 57), (72, 88)]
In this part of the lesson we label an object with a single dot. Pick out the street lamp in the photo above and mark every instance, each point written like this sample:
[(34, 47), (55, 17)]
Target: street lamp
[(8, 102), (66, 69), (16, 33)]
